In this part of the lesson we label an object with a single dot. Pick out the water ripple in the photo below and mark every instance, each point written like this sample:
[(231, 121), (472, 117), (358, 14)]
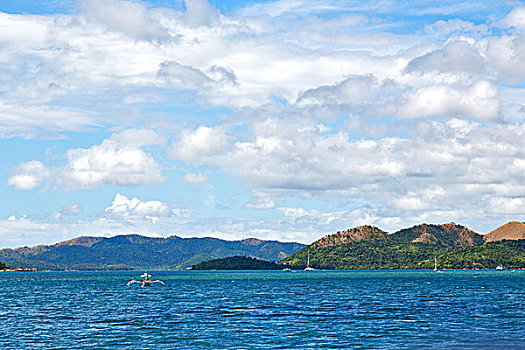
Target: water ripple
[(264, 310)]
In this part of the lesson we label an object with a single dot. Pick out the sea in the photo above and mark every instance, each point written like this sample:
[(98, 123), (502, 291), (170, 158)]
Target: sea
[(264, 310)]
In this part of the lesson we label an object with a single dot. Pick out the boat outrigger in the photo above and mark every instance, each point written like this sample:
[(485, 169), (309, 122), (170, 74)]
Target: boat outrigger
[(145, 280)]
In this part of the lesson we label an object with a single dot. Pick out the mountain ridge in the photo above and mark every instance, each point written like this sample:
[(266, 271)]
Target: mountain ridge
[(357, 234), (136, 251), (455, 246), (448, 234), (419, 243)]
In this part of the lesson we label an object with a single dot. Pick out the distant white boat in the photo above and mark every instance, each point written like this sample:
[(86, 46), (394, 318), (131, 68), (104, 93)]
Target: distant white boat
[(500, 268), (436, 265), (308, 267)]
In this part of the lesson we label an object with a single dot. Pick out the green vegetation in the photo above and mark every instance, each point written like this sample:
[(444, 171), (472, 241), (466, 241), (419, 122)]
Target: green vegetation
[(375, 254), (3, 266), (237, 263), (378, 254), (100, 267), (510, 254)]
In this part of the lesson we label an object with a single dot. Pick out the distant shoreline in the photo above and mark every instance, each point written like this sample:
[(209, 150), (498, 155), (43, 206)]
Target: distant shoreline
[(263, 270), (19, 269)]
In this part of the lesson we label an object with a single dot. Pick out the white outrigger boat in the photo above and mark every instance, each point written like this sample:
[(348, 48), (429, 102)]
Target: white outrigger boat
[(145, 280)]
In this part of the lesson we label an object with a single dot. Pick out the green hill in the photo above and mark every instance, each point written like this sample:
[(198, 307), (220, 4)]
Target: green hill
[(451, 235), (367, 247), (135, 251)]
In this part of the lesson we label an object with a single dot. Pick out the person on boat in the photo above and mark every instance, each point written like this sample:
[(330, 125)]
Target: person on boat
[(145, 280)]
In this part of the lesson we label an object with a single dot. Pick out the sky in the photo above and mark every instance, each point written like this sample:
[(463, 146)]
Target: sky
[(284, 120)]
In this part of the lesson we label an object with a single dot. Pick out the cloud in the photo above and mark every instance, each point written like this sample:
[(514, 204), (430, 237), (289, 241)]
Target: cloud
[(72, 209), (28, 175), (507, 205), (354, 90), (507, 55), (157, 219), (200, 13), (117, 161), (456, 57), (280, 7), (133, 209), (478, 101), (284, 155), (129, 17), (335, 101), (456, 25), (20, 121), (184, 76), (199, 144), (262, 203), (188, 77), (436, 168), (195, 179), (444, 92), (67, 212), (228, 60), (516, 18)]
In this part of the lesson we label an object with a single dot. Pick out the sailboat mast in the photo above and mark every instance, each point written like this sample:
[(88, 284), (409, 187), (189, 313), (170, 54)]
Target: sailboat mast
[(308, 263)]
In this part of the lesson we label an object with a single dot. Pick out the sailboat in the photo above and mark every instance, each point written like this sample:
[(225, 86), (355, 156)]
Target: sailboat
[(308, 267), (436, 265)]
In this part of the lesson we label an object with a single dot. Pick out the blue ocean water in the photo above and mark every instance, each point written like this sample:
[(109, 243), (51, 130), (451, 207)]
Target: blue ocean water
[(264, 310)]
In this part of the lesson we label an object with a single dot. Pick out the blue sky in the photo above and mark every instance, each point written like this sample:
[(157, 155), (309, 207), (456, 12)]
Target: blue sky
[(282, 120)]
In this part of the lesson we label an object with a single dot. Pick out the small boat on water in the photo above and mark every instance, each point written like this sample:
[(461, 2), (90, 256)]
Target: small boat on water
[(145, 280), (436, 265), (500, 268), (308, 267)]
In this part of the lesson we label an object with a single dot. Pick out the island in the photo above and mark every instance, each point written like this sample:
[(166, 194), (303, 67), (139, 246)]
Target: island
[(238, 263), (424, 246)]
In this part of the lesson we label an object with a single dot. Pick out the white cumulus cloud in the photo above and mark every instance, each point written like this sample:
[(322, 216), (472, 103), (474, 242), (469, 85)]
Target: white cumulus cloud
[(127, 209), (120, 160), (478, 101), (197, 145), (28, 175)]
